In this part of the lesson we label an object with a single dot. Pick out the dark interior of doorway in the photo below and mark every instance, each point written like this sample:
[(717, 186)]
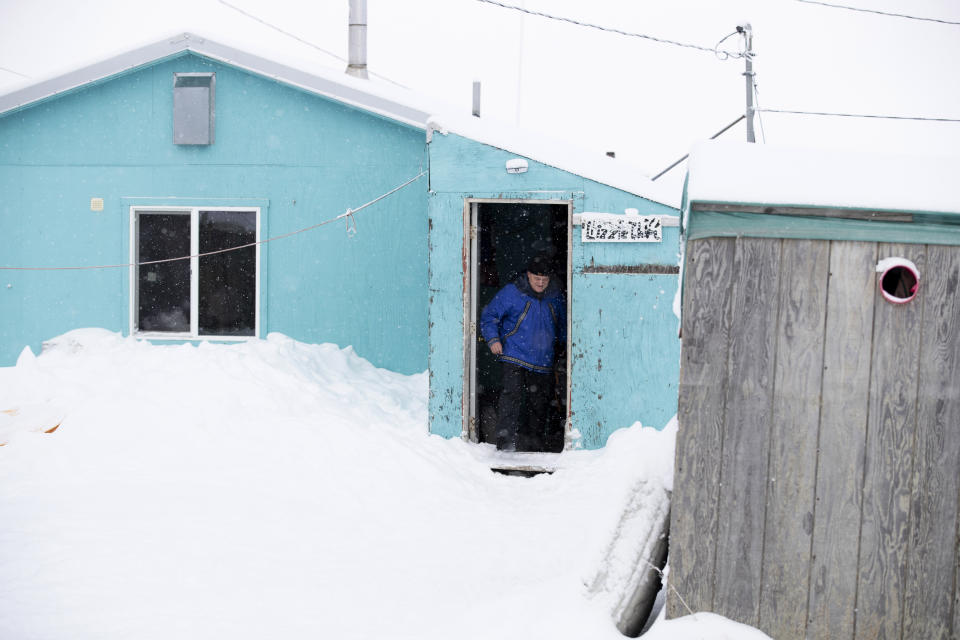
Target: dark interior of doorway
[(508, 236)]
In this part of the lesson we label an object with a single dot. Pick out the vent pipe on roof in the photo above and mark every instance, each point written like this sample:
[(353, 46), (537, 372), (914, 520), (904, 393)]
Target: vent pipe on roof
[(476, 98), (357, 62)]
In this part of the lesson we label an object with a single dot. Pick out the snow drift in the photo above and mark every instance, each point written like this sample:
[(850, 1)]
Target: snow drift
[(278, 489)]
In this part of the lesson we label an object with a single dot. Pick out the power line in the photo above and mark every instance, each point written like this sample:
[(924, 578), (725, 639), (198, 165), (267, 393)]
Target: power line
[(723, 54), (347, 215), (858, 115), (300, 40), (278, 29), (687, 155), (713, 50), (756, 95), (882, 13), (16, 73)]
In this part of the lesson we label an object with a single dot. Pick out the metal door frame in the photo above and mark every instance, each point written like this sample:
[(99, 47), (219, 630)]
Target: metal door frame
[(470, 277)]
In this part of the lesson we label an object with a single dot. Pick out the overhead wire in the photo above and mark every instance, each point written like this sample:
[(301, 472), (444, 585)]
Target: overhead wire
[(875, 11), (858, 115), (301, 40), (347, 216), (723, 54), (758, 110), (278, 29), (16, 73), (541, 14), (687, 155)]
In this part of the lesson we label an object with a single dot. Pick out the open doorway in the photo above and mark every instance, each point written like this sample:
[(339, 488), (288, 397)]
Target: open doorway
[(505, 237)]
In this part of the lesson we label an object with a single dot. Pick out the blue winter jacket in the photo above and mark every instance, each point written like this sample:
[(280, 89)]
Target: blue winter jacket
[(526, 323)]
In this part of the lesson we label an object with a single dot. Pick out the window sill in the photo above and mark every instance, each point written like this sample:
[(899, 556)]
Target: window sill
[(187, 337)]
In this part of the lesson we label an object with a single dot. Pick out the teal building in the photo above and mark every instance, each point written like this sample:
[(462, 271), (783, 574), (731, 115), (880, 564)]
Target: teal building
[(144, 168)]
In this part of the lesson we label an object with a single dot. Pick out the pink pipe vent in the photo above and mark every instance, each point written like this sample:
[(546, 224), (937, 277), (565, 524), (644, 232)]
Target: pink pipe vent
[(899, 280)]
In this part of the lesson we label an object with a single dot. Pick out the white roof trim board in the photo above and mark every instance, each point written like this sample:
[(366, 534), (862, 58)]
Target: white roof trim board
[(341, 91), (389, 102)]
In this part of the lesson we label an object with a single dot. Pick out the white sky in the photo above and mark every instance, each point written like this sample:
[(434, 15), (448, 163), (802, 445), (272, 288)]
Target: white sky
[(647, 101)]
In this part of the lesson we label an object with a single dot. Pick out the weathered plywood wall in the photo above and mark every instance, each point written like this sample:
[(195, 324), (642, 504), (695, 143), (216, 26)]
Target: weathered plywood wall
[(816, 490)]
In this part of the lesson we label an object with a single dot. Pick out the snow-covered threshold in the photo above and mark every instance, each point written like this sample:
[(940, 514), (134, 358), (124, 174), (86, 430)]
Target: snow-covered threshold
[(274, 489)]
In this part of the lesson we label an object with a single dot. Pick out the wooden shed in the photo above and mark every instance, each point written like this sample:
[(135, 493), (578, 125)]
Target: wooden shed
[(816, 485)]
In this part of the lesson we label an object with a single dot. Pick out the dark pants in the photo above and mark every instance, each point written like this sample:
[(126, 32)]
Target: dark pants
[(522, 424)]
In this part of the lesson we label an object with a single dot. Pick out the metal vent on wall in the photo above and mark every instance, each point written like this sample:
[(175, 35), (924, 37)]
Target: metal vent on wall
[(193, 111)]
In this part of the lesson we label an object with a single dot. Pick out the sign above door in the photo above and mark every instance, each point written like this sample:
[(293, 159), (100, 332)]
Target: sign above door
[(613, 227)]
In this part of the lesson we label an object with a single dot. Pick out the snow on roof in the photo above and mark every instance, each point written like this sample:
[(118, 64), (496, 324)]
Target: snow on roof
[(562, 155), (372, 95), (326, 82), (745, 173)]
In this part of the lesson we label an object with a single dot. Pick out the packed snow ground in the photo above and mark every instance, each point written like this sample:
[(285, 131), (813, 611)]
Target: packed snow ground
[(280, 489)]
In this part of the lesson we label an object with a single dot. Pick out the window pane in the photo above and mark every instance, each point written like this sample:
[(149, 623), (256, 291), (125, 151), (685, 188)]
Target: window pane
[(163, 290), (228, 281)]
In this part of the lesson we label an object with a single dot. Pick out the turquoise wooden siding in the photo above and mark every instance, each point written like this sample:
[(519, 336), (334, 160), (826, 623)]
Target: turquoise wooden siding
[(625, 336), (622, 322), (625, 348), (300, 157)]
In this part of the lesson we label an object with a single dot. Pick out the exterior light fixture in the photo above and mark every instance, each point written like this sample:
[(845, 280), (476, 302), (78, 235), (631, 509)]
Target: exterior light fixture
[(516, 165)]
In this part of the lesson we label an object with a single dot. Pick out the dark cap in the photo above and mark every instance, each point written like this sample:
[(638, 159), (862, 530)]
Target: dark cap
[(540, 265)]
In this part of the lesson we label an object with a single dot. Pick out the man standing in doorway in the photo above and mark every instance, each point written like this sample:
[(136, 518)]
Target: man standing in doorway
[(521, 325)]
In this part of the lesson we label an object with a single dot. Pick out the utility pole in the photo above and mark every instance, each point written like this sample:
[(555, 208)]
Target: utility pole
[(747, 31)]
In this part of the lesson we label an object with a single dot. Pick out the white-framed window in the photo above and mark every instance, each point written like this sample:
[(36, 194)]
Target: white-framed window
[(212, 296)]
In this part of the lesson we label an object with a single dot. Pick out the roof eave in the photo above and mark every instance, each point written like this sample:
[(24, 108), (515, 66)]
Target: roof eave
[(187, 42)]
